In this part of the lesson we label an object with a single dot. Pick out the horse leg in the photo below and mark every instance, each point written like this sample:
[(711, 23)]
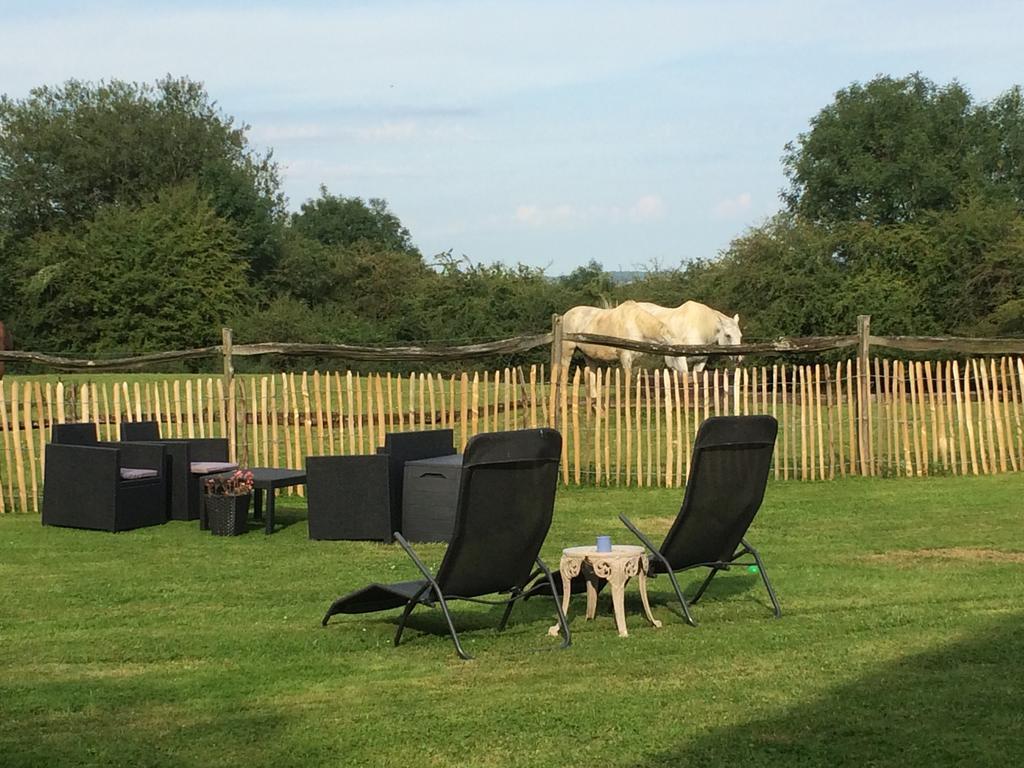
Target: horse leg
[(626, 360), (568, 348), (590, 366), (677, 364)]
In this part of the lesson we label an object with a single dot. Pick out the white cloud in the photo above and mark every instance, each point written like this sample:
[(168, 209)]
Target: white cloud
[(303, 171), (647, 208), (559, 215), (390, 131), (435, 53), (465, 108), (271, 132), (370, 132), (732, 207)]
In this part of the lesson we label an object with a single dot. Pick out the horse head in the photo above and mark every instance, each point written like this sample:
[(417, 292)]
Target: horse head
[(729, 334)]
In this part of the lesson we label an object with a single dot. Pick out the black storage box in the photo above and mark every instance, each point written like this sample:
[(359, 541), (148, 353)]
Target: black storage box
[(430, 493)]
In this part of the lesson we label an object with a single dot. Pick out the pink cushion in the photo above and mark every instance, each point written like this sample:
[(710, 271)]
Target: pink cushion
[(131, 473), (210, 467)]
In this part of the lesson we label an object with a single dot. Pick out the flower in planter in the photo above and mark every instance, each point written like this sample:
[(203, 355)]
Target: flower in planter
[(239, 483)]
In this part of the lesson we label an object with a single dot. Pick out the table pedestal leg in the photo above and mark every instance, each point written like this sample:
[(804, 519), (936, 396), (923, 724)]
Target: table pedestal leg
[(270, 511), (618, 602), (592, 581), (617, 572), (257, 504)]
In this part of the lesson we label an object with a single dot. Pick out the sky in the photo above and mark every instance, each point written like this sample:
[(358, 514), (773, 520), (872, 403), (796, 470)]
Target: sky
[(637, 134)]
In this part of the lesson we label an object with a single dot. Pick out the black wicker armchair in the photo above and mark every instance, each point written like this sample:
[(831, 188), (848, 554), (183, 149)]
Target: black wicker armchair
[(102, 486), (360, 497), (188, 460)]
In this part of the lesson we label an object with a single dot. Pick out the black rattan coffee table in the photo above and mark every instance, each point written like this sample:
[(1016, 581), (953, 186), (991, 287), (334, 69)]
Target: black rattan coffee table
[(267, 479)]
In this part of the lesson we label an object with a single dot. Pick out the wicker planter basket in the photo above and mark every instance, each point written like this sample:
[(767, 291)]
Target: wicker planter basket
[(227, 515)]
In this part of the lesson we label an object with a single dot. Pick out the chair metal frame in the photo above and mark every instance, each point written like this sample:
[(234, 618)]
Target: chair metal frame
[(462, 568), (734, 426), (421, 598), (716, 566)]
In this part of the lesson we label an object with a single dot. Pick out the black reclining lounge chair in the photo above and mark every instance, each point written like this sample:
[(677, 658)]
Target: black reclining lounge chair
[(506, 499), (102, 486), (724, 490)]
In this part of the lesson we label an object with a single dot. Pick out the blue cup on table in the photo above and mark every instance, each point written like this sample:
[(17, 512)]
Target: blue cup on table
[(604, 543)]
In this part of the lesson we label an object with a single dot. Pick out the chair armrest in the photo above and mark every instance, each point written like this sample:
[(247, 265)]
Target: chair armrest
[(416, 559), (647, 543), (91, 470)]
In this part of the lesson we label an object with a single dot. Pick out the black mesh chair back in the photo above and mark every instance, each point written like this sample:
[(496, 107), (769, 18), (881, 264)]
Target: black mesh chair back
[(74, 434), (140, 430), (506, 499), (731, 459)]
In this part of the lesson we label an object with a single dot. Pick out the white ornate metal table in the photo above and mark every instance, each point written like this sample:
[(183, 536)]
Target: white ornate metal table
[(617, 567)]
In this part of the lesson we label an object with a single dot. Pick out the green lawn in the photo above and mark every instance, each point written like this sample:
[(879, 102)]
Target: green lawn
[(902, 643)]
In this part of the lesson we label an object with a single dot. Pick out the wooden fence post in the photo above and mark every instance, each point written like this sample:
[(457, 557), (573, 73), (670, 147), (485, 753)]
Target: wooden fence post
[(556, 367), (864, 393), (229, 390)]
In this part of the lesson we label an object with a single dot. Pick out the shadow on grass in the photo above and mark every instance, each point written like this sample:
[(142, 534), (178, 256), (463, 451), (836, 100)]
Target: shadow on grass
[(289, 518), (725, 586), (430, 622), (109, 721), (539, 609), (960, 705), (661, 594)]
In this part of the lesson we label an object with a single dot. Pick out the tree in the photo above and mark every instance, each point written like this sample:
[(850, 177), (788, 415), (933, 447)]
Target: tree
[(917, 195), (344, 221), (695, 280), (886, 151), (1002, 144), (781, 278), (68, 150), (8, 277), (363, 280), (161, 276), (972, 269), (589, 284), (470, 301)]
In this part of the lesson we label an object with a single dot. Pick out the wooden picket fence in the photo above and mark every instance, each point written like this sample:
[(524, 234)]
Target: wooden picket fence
[(896, 418)]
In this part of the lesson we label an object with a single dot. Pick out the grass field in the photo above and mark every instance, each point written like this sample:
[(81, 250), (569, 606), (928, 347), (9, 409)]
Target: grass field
[(902, 643)]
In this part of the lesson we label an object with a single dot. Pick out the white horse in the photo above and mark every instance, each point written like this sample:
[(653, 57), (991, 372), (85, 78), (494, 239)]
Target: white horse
[(626, 321), (695, 323)]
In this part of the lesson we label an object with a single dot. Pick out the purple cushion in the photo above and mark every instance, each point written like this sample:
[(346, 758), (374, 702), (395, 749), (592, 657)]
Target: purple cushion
[(210, 467), (131, 473)]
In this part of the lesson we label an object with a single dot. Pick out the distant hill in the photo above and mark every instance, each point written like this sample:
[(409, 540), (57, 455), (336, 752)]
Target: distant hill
[(619, 277), (622, 277)]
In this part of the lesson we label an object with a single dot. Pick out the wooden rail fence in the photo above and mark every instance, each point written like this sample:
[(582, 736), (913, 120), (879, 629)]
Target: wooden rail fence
[(863, 416)]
